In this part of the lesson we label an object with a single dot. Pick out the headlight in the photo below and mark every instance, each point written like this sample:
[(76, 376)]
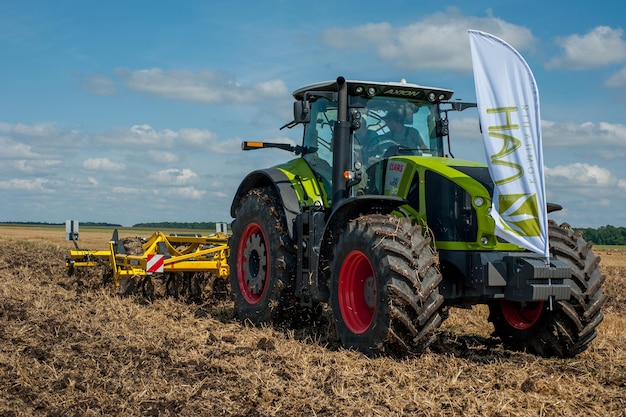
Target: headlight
[(479, 201)]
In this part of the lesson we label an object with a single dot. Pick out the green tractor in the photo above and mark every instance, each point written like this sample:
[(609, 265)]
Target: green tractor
[(375, 219)]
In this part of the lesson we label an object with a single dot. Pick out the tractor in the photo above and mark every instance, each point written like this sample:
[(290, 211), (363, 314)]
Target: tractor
[(374, 218)]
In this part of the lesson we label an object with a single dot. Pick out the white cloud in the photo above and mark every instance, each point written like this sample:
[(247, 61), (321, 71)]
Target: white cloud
[(28, 166), (146, 134), (41, 140), (439, 41), (175, 176), (142, 136), (21, 129), (597, 48), (580, 176), (146, 137), (205, 139), (600, 139), (202, 86), (607, 140), (185, 193), (163, 157), (124, 190), (196, 137), (617, 80), (102, 164), (22, 184), (219, 194), (15, 150), (590, 194)]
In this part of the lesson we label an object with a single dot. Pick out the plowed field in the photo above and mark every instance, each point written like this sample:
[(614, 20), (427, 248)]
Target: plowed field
[(74, 347)]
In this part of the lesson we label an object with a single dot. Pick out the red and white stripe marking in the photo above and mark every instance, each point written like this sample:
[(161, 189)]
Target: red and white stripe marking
[(154, 263)]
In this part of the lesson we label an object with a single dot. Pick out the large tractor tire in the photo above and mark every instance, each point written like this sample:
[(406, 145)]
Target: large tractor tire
[(262, 258), (568, 329), (384, 286)]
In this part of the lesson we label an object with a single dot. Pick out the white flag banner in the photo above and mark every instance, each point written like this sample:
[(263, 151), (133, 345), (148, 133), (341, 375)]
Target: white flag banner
[(508, 104)]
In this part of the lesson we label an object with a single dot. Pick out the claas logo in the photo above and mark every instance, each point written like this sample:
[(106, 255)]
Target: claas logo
[(394, 166)]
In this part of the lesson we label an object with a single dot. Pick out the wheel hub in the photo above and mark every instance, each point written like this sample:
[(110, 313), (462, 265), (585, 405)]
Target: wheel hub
[(369, 291), (255, 264)]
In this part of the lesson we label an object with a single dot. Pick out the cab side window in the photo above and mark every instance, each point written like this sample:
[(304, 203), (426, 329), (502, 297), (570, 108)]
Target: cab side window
[(318, 135)]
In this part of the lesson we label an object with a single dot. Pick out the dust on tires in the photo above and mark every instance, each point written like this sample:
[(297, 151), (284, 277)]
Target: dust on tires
[(262, 278), (568, 329), (384, 286)]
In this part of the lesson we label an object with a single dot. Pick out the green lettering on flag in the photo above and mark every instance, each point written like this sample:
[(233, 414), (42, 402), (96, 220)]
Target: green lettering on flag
[(520, 213)]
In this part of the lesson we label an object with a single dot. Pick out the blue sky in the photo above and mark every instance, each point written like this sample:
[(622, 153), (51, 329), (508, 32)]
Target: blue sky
[(134, 111)]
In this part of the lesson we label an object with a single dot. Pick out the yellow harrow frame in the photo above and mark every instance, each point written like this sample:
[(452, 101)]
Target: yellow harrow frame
[(182, 253)]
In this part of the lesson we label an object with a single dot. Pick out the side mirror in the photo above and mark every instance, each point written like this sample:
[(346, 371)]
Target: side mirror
[(301, 111), (460, 106)]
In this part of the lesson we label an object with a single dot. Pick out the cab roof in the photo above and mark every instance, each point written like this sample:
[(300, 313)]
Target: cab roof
[(389, 89)]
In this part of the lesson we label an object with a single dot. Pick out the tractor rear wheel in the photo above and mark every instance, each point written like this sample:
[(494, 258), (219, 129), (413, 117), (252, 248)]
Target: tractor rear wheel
[(262, 258), (571, 325), (384, 286)]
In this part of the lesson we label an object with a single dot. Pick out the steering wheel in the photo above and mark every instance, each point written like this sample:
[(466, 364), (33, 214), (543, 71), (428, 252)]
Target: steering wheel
[(403, 150), (383, 147)]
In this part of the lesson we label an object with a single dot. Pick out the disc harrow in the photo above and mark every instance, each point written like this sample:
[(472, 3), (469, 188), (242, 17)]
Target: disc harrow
[(185, 262)]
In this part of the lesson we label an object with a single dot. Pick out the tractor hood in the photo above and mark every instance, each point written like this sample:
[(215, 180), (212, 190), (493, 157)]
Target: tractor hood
[(453, 196), (458, 170)]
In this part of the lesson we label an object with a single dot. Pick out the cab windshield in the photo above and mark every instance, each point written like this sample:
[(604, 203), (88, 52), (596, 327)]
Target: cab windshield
[(397, 127), (388, 127)]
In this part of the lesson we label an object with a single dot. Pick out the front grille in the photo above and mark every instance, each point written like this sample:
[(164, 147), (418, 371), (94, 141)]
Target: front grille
[(449, 210)]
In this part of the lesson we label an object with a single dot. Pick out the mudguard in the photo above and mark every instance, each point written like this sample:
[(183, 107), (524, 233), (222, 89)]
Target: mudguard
[(282, 184)]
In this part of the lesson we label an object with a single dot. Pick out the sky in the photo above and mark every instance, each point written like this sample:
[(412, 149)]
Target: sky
[(134, 111)]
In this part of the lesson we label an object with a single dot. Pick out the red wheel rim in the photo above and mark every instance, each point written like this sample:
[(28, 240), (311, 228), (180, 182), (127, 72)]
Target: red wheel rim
[(357, 292), (252, 263), (521, 317)]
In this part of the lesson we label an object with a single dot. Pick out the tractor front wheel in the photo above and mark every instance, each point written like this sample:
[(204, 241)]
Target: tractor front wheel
[(384, 286), (570, 326), (262, 258)]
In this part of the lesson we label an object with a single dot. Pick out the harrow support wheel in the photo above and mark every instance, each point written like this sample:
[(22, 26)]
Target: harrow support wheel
[(571, 325), (262, 256), (384, 286)]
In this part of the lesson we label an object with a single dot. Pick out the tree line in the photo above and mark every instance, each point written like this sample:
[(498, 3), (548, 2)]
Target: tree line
[(179, 225), (154, 225), (605, 235), (87, 224)]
